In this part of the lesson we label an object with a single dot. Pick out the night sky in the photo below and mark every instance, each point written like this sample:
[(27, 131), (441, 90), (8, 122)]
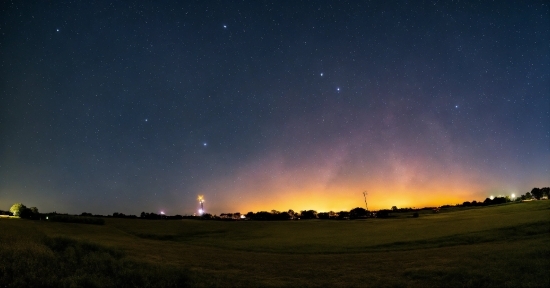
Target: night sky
[(260, 105)]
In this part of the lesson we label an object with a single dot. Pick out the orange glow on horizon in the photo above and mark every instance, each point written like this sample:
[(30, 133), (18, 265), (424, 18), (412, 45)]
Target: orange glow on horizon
[(346, 203), (333, 183), (342, 200)]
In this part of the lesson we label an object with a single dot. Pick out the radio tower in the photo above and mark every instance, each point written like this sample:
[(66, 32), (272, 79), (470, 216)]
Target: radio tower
[(365, 195), (201, 200)]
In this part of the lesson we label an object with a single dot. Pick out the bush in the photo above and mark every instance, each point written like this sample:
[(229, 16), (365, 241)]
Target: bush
[(76, 219)]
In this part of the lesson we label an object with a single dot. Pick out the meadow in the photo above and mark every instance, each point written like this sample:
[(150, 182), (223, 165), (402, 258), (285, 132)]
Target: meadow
[(495, 246)]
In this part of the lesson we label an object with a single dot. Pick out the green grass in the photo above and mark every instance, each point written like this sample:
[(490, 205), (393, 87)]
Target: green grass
[(499, 246), (36, 260)]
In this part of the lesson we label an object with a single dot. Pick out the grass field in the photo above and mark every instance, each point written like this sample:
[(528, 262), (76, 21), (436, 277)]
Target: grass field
[(499, 246)]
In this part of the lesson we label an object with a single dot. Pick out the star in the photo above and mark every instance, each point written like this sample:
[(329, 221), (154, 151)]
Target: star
[(321, 74), (204, 144), (146, 119), (57, 29), (456, 106), (338, 89), (224, 26)]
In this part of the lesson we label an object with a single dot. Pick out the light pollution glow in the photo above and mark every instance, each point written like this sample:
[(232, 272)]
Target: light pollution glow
[(331, 186), (330, 175)]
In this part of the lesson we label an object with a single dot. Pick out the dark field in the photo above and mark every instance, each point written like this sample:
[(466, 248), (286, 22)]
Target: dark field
[(500, 246)]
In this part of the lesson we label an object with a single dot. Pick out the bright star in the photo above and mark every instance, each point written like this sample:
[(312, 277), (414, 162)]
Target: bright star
[(224, 26), (204, 144), (321, 74), (456, 106), (338, 89), (57, 29), (146, 119)]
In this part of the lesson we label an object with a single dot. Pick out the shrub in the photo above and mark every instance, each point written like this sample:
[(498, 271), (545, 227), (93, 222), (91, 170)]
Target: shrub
[(76, 219)]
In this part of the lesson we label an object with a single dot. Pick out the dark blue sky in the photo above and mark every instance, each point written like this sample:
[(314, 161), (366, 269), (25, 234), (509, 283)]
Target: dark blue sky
[(121, 107)]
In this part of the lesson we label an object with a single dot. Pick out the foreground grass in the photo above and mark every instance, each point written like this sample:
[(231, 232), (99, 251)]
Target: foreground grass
[(503, 246), (36, 260)]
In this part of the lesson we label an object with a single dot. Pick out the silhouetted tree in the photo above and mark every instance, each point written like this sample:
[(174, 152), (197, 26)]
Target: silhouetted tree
[(546, 191), (283, 216), (291, 213), (500, 200), (537, 193), (394, 208), (27, 214), (263, 215), (342, 215), (358, 213), (31, 213), (323, 215), (308, 214)]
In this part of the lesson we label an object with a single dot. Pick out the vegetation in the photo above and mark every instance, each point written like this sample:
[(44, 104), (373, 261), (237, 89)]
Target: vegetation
[(17, 208), (539, 193), (75, 219), (64, 262), (355, 213), (499, 246), (20, 210)]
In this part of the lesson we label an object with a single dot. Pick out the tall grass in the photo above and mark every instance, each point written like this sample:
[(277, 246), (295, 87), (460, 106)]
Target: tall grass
[(65, 262)]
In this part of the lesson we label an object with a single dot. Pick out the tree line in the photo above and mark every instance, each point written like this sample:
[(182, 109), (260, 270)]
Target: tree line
[(535, 194), (22, 211), (360, 213)]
